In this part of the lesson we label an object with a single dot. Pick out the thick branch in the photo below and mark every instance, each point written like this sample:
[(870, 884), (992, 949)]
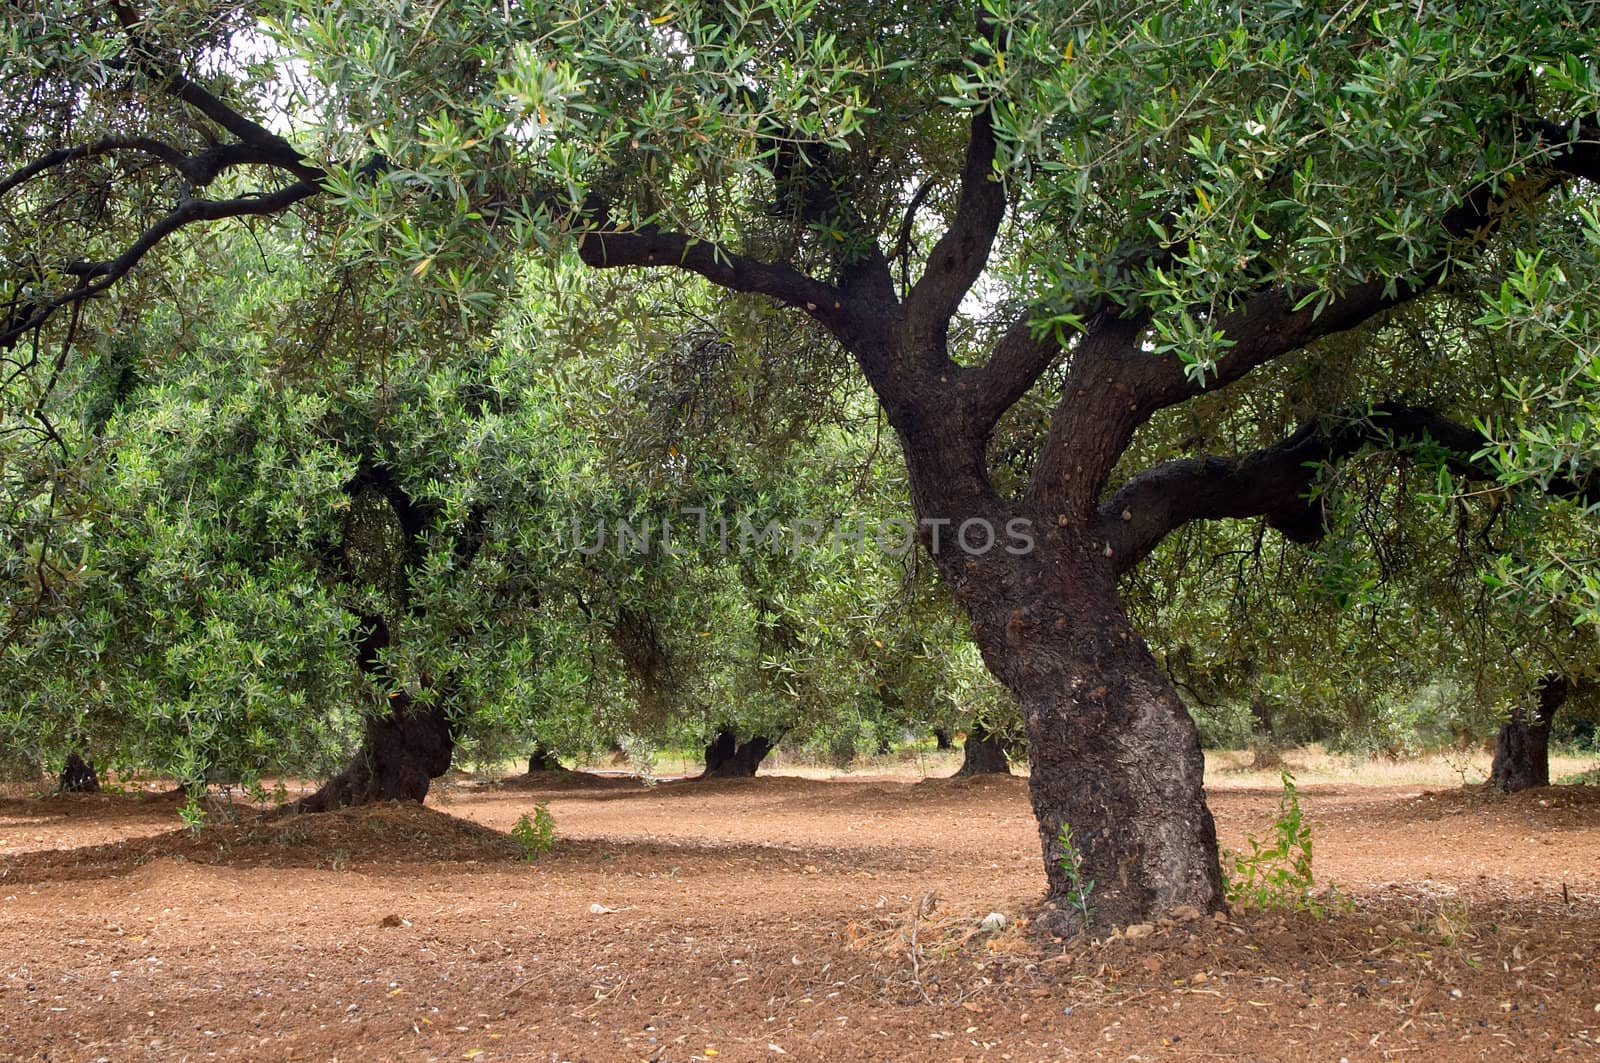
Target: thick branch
[(108, 146), (276, 150), (1018, 359), (267, 146), (962, 252), (1084, 443), (861, 311), (256, 145), (199, 169), (1276, 481), (650, 246), (1101, 406), (1267, 326)]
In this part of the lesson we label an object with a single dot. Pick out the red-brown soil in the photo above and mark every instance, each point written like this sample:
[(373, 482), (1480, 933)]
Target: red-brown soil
[(771, 918)]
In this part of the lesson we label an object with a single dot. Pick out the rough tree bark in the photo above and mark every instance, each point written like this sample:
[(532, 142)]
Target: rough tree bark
[(1522, 749), (983, 753), (1111, 749), (729, 758), (941, 740), (401, 754)]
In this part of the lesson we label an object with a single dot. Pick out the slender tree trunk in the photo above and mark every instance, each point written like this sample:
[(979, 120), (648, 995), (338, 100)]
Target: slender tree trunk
[(941, 740), (1522, 749), (1268, 754), (728, 758), (983, 753), (1112, 750)]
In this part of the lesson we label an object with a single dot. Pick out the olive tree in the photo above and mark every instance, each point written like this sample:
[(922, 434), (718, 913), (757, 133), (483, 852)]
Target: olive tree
[(1092, 215)]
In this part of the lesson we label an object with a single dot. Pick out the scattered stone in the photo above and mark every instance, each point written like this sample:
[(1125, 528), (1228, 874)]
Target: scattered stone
[(1136, 931), (1186, 913), (389, 920), (994, 921)]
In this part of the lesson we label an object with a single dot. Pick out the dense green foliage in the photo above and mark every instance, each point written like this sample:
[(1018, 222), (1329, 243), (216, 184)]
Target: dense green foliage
[(186, 598)]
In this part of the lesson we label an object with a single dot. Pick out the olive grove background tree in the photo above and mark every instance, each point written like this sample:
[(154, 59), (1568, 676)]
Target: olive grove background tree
[(1039, 231), (1389, 636), (253, 544), (238, 566)]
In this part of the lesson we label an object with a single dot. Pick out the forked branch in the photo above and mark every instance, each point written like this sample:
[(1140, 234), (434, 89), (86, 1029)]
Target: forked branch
[(255, 146), (959, 257)]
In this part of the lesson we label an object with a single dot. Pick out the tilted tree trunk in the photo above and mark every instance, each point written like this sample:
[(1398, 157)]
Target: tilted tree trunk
[(1112, 751), (729, 758), (983, 753), (1522, 749)]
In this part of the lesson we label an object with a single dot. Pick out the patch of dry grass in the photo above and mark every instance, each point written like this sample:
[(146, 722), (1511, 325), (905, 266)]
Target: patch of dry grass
[(1230, 769)]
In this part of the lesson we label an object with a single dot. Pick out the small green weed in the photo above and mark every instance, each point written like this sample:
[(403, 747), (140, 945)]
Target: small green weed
[(1277, 875), (193, 814), (537, 835), (1071, 863)]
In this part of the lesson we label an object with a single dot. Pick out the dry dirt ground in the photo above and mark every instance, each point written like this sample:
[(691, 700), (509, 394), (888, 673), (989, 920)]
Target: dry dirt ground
[(777, 918)]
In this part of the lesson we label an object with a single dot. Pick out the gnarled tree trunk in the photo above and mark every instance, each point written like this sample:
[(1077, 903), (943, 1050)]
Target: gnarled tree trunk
[(1112, 750), (983, 753), (1522, 749), (729, 758), (401, 755), (541, 759), (402, 751), (941, 740), (78, 777)]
